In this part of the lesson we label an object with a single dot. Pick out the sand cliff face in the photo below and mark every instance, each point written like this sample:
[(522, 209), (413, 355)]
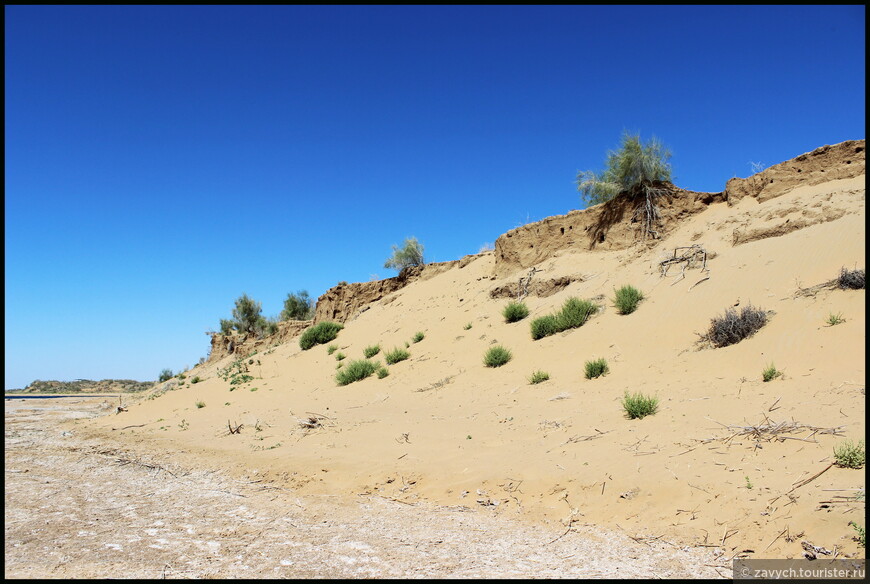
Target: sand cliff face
[(605, 227), (840, 161)]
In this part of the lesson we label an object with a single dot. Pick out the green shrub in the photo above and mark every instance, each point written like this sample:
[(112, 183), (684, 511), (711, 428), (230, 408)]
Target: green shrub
[(574, 313), (596, 368), (371, 351), (834, 319), (396, 355), (418, 336), (733, 327), (319, 334), (770, 373), (467, 326), (639, 405), (850, 455), (298, 306), (339, 356), (411, 254), (545, 326), (196, 379), (331, 349), (383, 372), (266, 327), (246, 314), (851, 279), (539, 377), (496, 356), (627, 298), (227, 326), (515, 311), (165, 375), (356, 371), (200, 404)]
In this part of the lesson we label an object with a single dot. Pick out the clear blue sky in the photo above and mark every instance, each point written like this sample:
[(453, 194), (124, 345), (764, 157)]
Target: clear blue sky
[(161, 161)]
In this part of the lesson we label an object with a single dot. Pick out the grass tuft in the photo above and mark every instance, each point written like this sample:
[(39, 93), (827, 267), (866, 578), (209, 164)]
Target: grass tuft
[(319, 334), (638, 406), (538, 377), (419, 336), (383, 372), (356, 371), (735, 326), (770, 373), (396, 355), (834, 319), (200, 404), (496, 356), (596, 368), (850, 455), (515, 311), (574, 313), (627, 298), (371, 351)]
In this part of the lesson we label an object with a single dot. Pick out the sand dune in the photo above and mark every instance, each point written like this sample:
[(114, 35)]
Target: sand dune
[(445, 429)]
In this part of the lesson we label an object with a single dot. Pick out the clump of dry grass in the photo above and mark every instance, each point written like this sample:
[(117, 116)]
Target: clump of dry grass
[(735, 326), (851, 279)]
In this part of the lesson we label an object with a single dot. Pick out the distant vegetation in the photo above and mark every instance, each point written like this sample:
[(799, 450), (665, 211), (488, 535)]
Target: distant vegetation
[(627, 299), (515, 311), (371, 351), (248, 320), (770, 373), (298, 307), (87, 385), (575, 312), (410, 254), (636, 171), (418, 336), (165, 375), (319, 334), (735, 326)]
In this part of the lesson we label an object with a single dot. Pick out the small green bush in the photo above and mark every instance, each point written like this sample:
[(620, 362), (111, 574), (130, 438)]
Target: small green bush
[(735, 326), (770, 373), (834, 319), (515, 311), (200, 404), (165, 375), (627, 298), (596, 368), (419, 336), (545, 326), (331, 349), (851, 279), (319, 334), (371, 351), (539, 377), (467, 326), (496, 356), (339, 356), (383, 372), (356, 371), (639, 406), (396, 355), (850, 455), (574, 313), (196, 379)]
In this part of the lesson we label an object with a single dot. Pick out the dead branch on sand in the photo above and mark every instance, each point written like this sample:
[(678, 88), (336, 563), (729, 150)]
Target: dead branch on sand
[(770, 431), (236, 430), (689, 257)]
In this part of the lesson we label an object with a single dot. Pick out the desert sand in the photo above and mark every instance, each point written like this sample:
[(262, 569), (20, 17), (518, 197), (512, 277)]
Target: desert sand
[(443, 431)]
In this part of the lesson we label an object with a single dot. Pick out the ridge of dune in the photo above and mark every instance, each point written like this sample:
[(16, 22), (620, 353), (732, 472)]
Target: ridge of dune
[(444, 428)]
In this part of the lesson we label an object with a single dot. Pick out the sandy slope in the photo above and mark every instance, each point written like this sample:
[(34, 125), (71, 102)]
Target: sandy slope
[(444, 428)]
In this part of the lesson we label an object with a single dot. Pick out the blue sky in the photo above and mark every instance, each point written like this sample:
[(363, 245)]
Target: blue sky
[(161, 161)]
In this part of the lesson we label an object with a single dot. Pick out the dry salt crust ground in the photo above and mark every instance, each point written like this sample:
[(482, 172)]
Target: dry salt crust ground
[(78, 508)]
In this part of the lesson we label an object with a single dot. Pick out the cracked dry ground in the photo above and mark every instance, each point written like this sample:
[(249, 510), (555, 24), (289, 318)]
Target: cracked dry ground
[(76, 508)]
